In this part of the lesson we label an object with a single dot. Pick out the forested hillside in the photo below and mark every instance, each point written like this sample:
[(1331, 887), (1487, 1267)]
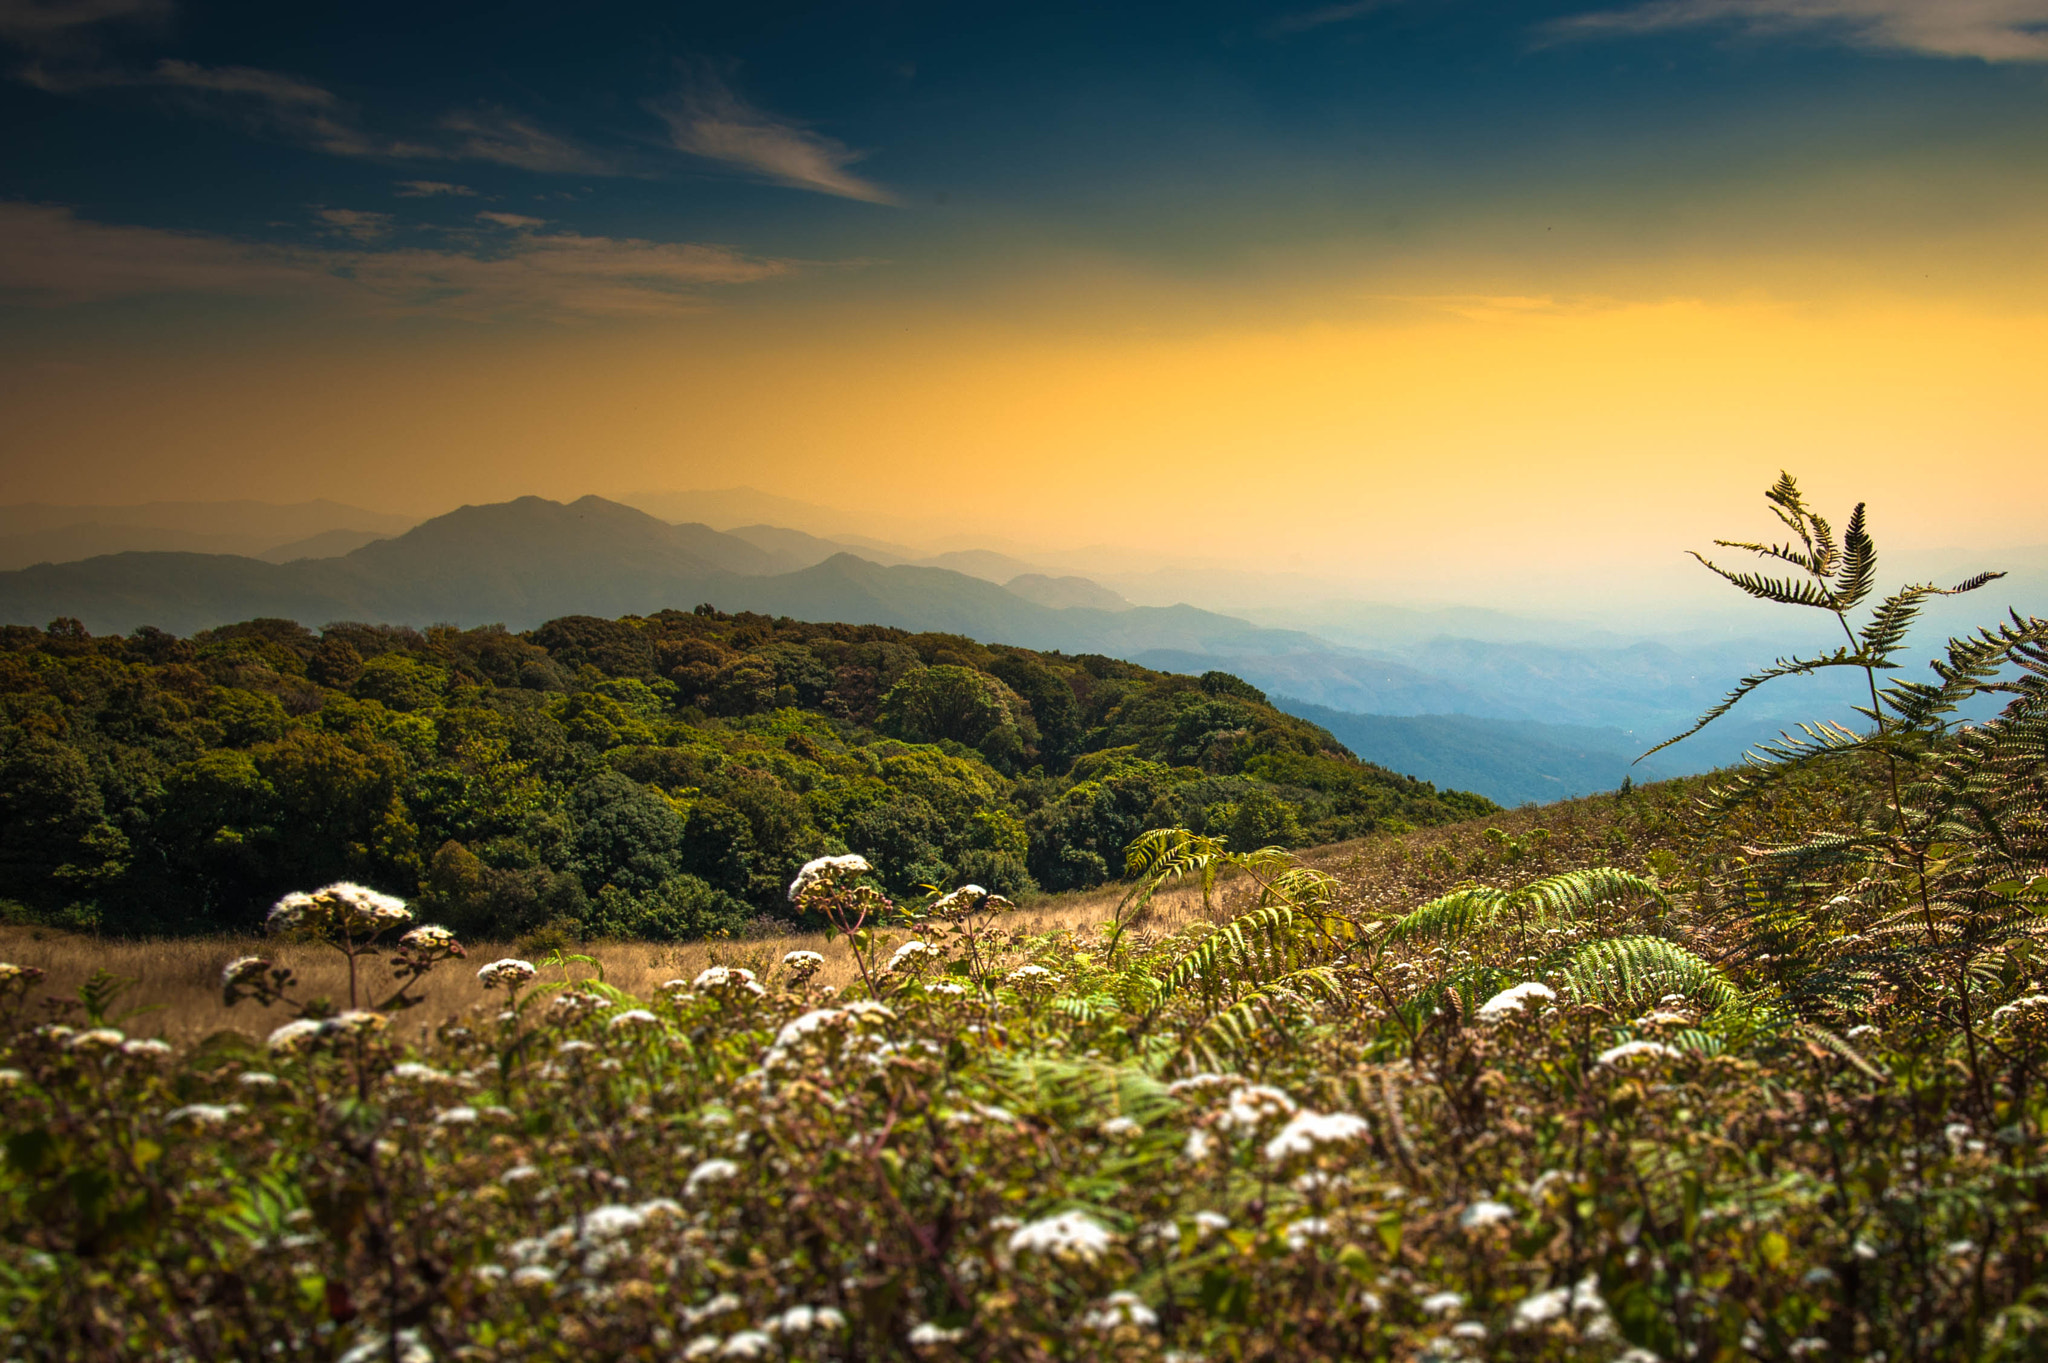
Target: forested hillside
[(657, 776)]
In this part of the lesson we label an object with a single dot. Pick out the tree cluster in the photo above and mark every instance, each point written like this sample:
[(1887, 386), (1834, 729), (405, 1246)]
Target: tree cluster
[(658, 776)]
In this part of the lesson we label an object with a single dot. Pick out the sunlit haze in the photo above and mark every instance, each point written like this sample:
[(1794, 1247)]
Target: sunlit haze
[(1429, 299)]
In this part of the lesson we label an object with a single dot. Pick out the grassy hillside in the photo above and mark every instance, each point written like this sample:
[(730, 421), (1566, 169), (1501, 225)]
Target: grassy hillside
[(651, 777)]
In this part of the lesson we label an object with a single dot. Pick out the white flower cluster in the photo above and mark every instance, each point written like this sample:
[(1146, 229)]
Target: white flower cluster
[(1309, 1131), (297, 1036), (1484, 1213), (827, 872), (1071, 1235), (814, 1031), (633, 1019), (1513, 1000), (352, 910), (242, 970), (1254, 1104), (204, 1114), (967, 899), (509, 973), (911, 955), (430, 937), (803, 964), (573, 1005), (1629, 1050), (1120, 1308), (1031, 978), (729, 981)]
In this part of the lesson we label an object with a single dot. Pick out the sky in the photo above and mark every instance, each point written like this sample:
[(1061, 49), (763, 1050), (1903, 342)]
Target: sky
[(1443, 291)]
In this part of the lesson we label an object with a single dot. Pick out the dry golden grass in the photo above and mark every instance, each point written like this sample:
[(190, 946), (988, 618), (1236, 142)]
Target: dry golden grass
[(178, 979)]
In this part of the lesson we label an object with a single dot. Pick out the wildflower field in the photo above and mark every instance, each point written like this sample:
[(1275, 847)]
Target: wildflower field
[(1747, 1067)]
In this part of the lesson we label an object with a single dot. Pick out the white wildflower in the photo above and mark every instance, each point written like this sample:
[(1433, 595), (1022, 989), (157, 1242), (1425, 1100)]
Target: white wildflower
[(148, 1045), (1209, 1222), (294, 1036), (1468, 1329), (930, 1336), (827, 871), (518, 1173), (96, 1039), (1512, 1000), (509, 973), (241, 970), (1202, 1083), (1120, 1308), (710, 1171), (1199, 1145), (611, 1221), (1253, 1104), (911, 954), (804, 963), (204, 1114), (1482, 1214), (1300, 1232), (1442, 1303), (632, 1017), (747, 1344), (455, 1116), (1307, 1130), (1628, 1050), (1120, 1126), (532, 1275), (1542, 1307), (802, 1320), (727, 979), (1070, 1235), (257, 1079)]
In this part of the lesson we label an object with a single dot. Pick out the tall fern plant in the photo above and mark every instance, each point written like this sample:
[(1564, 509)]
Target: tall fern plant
[(1930, 884)]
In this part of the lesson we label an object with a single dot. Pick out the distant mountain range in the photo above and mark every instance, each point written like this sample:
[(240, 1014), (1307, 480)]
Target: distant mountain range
[(39, 532), (1514, 710), (1510, 761)]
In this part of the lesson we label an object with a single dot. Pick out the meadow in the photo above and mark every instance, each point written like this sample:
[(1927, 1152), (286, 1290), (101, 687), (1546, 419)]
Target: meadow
[(1741, 1067)]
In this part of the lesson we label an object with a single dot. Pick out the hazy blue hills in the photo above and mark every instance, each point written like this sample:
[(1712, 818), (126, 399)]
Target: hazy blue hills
[(524, 562), (1509, 761), (1516, 719)]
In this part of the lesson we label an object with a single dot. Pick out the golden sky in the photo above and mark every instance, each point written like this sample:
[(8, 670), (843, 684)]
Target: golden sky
[(1250, 298)]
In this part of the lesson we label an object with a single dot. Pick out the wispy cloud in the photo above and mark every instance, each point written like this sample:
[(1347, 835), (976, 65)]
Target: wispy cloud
[(51, 257), (428, 189), (513, 220), (1990, 30), (708, 119), (355, 223), (509, 140), (1304, 20), (34, 22)]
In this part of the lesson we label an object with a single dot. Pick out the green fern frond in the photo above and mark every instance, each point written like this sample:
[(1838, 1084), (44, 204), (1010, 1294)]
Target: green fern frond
[(1638, 970)]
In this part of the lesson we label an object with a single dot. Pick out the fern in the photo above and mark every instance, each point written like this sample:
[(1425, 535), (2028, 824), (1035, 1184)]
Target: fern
[(1634, 971)]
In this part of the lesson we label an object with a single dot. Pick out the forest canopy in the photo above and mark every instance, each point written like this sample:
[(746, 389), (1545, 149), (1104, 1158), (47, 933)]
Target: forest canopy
[(658, 776)]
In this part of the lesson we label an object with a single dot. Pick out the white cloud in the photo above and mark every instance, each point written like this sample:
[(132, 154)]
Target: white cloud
[(508, 140), (1305, 20), (34, 22), (428, 189), (1990, 30), (709, 120), (50, 257), (513, 220), (355, 223)]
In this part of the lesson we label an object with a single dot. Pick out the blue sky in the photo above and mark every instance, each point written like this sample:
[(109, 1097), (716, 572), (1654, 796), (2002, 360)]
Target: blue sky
[(779, 244)]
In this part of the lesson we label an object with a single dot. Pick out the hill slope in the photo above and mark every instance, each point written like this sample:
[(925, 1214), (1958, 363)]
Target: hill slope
[(653, 776)]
